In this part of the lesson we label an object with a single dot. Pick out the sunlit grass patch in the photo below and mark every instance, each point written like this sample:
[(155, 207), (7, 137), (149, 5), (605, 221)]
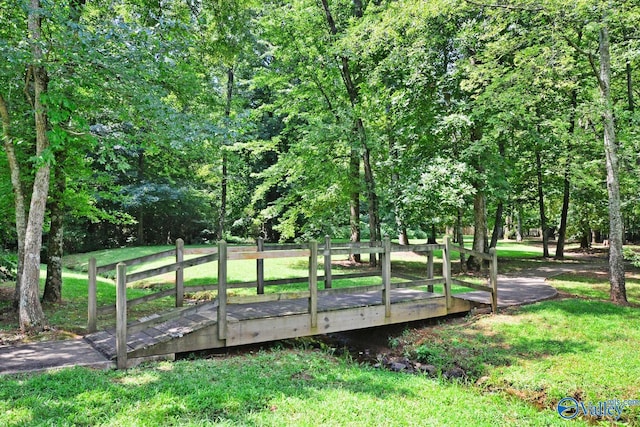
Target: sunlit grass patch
[(272, 388), (544, 352), (595, 285)]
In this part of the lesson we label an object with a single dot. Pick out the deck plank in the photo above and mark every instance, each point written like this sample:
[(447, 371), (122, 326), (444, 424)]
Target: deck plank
[(272, 320)]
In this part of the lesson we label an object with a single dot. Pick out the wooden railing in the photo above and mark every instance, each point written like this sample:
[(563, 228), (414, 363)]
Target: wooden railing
[(224, 253)]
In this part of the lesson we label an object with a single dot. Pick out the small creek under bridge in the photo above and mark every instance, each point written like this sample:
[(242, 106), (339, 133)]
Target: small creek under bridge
[(243, 313)]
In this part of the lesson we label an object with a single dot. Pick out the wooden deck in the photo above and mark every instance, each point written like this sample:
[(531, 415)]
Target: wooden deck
[(195, 328)]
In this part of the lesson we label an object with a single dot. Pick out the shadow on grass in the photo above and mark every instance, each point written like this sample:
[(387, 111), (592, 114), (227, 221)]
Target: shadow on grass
[(200, 391)]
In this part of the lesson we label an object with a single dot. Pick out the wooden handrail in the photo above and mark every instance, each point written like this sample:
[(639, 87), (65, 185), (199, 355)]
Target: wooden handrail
[(222, 254)]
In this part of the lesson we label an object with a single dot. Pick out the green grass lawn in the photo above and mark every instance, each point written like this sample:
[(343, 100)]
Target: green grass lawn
[(595, 286), (526, 360), (518, 365)]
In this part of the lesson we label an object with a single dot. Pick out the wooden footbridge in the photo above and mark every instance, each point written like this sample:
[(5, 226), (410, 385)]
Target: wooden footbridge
[(232, 320)]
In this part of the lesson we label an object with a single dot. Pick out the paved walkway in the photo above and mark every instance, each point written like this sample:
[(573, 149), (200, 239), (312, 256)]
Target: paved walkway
[(47, 355), (530, 286)]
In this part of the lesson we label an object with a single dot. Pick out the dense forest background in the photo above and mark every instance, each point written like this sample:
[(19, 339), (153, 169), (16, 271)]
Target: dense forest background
[(141, 121)]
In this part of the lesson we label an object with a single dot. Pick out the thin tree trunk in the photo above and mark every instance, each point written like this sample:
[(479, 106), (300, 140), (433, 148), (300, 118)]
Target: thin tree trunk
[(566, 192), (630, 101), (497, 226), (225, 177), (354, 201), (518, 225), (141, 236), (618, 291), (372, 200), (30, 312), (360, 133), (18, 194), (403, 238), (432, 235), (53, 282), (480, 230), (543, 217), (479, 212)]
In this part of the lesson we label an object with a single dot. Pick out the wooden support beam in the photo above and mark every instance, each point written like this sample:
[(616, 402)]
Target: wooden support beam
[(386, 276), (430, 269), (493, 279), (137, 261), (463, 263), (260, 268), (313, 283), (121, 316), (327, 262), (293, 253), (92, 306), (222, 290), (446, 270), (179, 273)]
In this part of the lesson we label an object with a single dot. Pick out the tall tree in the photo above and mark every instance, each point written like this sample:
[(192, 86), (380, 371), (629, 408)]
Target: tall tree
[(30, 311), (616, 228)]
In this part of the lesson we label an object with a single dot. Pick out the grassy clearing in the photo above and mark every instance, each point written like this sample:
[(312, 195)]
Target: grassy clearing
[(271, 388), (519, 365)]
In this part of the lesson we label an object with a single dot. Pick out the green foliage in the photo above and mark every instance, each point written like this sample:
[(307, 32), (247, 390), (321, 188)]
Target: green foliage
[(632, 256), (8, 266)]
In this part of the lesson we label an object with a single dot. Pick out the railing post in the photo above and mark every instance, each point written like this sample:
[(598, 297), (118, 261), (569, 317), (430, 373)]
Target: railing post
[(222, 290), (327, 262), (430, 269), (313, 283), (446, 270), (463, 264), (121, 316), (260, 268), (179, 273), (386, 275), (92, 306), (493, 277)]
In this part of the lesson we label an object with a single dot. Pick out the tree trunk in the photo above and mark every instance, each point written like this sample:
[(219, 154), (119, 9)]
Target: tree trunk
[(403, 238), (543, 217), (354, 201), (479, 232), (432, 235), (141, 237), (518, 225), (630, 101), (566, 192), (53, 282), (372, 199), (360, 135), (225, 177), (497, 226), (30, 312), (618, 291), (18, 194)]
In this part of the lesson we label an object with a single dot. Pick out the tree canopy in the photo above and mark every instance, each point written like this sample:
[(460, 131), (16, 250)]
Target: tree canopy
[(141, 121)]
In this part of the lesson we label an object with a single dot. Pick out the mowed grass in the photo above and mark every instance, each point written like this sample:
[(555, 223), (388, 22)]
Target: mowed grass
[(596, 285), (543, 352), (270, 388), (519, 364)]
